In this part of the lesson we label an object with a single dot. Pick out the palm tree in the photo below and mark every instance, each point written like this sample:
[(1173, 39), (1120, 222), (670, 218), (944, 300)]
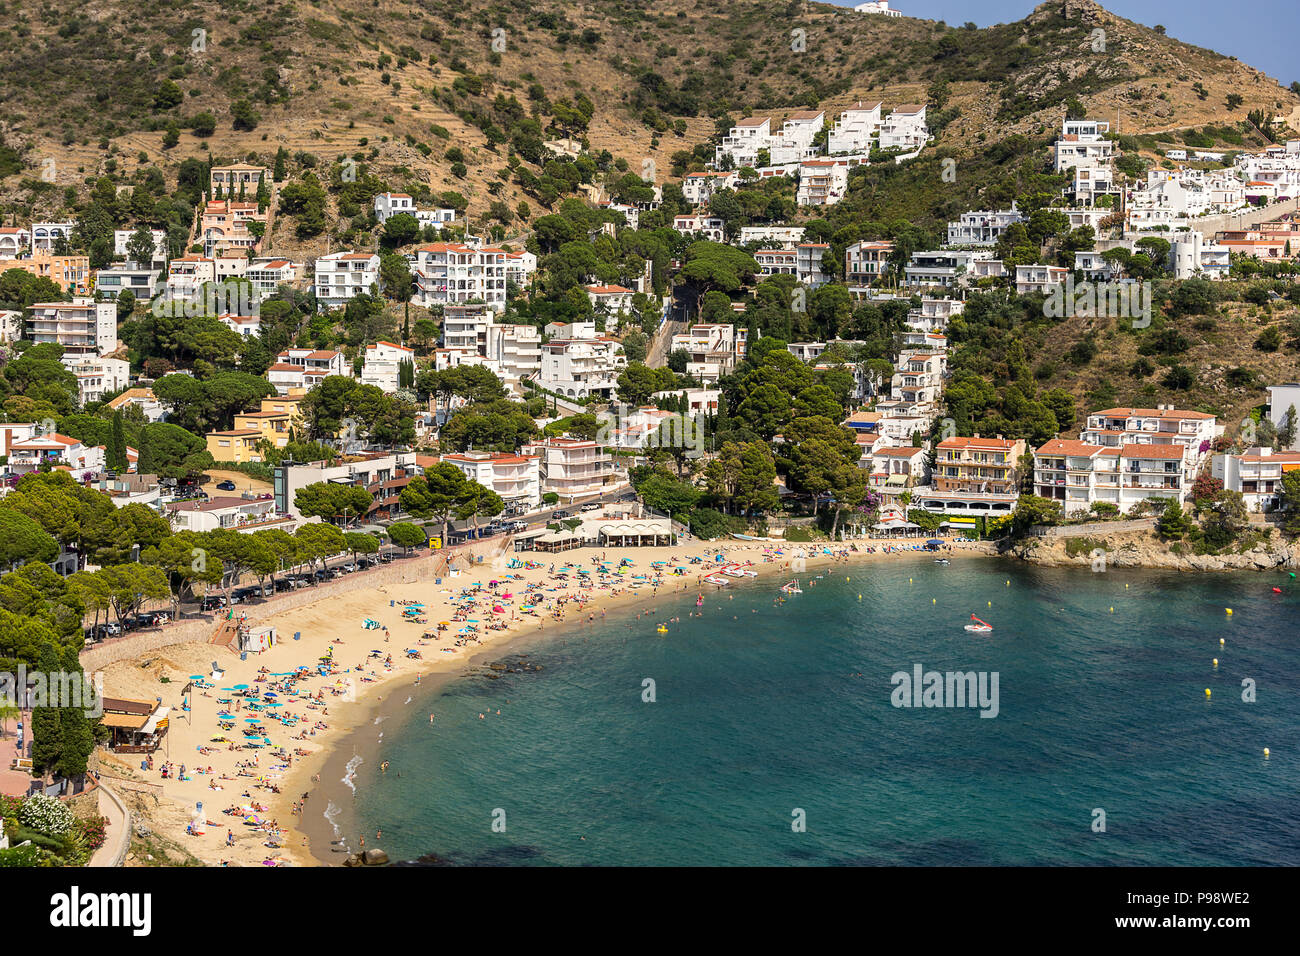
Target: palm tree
[(8, 712)]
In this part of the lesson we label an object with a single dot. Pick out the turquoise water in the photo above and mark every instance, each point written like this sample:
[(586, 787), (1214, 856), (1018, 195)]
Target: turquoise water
[(762, 710)]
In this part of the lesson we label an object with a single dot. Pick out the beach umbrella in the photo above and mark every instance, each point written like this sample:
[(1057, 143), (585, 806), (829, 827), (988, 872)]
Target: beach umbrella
[(197, 676), (252, 720), (240, 687)]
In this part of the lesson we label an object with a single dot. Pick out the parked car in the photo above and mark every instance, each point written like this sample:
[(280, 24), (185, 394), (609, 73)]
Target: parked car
[(558, 515), (519, 526), (348, 568), (226, 485), (591, 506)]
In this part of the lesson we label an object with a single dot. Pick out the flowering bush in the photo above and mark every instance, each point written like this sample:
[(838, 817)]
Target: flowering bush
[(45, 815), (92, 831)]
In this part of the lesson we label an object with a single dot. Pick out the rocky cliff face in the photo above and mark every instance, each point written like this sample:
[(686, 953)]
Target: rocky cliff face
[(1144, 550)]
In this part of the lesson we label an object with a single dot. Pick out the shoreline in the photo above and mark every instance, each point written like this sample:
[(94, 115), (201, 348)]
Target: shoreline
[(313, 835), (332, 622)]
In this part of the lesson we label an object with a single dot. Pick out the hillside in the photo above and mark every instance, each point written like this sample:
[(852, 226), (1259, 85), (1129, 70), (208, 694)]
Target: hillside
[(394, 84)]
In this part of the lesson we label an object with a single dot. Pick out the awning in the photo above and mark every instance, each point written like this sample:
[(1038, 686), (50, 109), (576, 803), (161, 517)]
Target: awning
[(125, 721), (159, 717), (897, 480)]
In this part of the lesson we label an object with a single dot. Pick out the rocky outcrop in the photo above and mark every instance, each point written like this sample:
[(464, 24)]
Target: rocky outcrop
[(1144, 550)]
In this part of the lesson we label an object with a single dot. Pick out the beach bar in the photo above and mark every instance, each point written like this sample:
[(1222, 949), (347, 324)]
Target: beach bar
[(636, 534), (135, 726)]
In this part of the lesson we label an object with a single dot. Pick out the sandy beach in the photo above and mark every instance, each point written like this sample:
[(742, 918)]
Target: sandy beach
[(306, 696)]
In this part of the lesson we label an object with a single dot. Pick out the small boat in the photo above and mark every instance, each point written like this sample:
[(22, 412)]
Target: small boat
[(733, 571), (792, 587), (979, 627), (944, 562), (717, 579)]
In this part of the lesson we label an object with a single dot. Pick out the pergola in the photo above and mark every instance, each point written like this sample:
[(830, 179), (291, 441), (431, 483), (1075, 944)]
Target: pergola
[(635, 534), (558, 541)]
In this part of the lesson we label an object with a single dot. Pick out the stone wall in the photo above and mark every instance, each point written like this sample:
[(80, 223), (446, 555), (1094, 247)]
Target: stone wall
[(1211, 225)]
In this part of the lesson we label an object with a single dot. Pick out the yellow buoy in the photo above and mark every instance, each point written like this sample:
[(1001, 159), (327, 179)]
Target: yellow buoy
[(1229, 610), (1207, 692), (1126, 587), (1216, 662), (933, 601), (990, 603), (1008, 582), (1220, 642), (909, 580), (1112, 610), (1265, 751), (859, 597)]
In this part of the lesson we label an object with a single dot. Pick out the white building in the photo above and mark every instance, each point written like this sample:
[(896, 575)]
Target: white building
[(383, 363), (30, 454), (342, 275), (880, 7), (98, 376), (1030, 279), (742, 143), (787, 237), (576, 368), (46, 235), (983, 227), (1078, 473), (1256, 474), (822, 182), (808, 263), (1281, 399), (571, 467), (946, 268), (904, 128), (1164, 424), (15, 241), (186, 276), (713, 349), (122, 237), (391, 204), (855, 131), (1083, 142), (245, 515), (305, 368), (866, 261), (1191, 257), (698, 188), (707, 227), (794, 142), (450, 273), (611, 299), (144, 284), (84, 327), (268, 274), (516, 478)]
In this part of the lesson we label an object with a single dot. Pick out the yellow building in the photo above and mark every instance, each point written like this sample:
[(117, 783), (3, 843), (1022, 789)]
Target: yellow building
[(239, 445), (70, 273)]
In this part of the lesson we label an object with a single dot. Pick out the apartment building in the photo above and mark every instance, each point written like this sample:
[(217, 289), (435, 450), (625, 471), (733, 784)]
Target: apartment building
[(516, 478), (896, 468), (343, 275), (1192, 257), (450, 273), (904, 128), (698, 188), (97, 376), (383, 365), (244, 515), (855, 130), (866, 261), (982, 227), (932, 317), (775, 262), (1256, 474), (69, 273), (822, 182), (84, 327), (520, 268), (918, 378), (517, 350), (1164, 424), (571, 467), (226, 226), (808, 263), (974, 477), (304, 369), (238, 445), (713, 349), (576, 368), (1079, 473)]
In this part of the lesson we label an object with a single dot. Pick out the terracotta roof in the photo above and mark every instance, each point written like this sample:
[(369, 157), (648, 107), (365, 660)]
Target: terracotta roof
[(1153, 451), (1064, 446), (1153, 413), (1001, 444)]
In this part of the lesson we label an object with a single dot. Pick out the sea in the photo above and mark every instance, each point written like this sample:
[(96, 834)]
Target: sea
[(775, 729)]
